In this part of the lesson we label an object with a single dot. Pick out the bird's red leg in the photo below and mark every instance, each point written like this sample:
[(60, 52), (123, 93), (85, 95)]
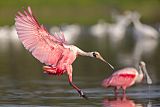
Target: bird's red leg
[(124, 91), (116, 91), (124, 97), (69, 71)]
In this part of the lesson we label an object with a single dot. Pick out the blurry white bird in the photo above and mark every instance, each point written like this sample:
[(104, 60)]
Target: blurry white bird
[(54, 29), (4, 38), (99, 30), (143, 30), (146, 38), (71, 31), (117, 30), (14, 38)]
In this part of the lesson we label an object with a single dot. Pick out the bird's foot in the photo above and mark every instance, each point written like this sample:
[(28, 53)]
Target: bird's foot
[(82, 94)]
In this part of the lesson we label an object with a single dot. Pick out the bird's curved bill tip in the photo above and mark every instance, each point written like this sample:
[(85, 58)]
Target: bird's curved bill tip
[(107, 62), (149, 80)]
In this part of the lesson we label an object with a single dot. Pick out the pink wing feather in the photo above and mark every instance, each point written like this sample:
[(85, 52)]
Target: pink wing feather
[(123, 77), (35, 38)]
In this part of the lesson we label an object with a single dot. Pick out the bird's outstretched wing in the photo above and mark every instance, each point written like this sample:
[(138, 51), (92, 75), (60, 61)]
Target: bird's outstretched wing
[(35, 38)]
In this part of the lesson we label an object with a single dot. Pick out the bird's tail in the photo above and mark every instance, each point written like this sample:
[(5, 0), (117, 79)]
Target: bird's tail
[(106, 82), (49, 69), (52, 70)]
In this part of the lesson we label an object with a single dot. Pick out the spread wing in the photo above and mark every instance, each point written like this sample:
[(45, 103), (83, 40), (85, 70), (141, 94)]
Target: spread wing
[(35, 38)]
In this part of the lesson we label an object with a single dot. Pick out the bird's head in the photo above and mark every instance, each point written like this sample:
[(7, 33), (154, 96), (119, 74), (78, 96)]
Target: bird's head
[(142, 64), (135, 16), (98, 56)]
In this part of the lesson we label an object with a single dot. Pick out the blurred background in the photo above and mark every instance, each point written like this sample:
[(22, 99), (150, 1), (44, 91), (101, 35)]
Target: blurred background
[(124, 32)]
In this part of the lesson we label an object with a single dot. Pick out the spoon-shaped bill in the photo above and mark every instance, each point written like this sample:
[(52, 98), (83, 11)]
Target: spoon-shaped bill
[(101, 58), (149, 80)]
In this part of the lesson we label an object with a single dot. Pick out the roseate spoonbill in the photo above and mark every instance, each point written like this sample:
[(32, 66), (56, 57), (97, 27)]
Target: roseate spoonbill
[(51, 50), (126, 77)]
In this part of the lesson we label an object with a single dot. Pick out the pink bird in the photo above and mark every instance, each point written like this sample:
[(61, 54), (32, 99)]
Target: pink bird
[(52, 50), (126, 77)]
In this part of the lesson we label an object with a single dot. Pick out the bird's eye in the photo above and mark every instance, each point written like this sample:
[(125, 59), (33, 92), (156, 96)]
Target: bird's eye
[(94, 54)]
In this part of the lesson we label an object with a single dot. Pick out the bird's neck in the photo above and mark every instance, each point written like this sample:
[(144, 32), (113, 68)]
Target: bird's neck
[(78, 51), (124, 22), (140, 75), (137, 22), (140, 71), (83, 53)]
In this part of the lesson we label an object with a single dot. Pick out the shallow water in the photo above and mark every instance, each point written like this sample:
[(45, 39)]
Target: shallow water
[(57, 92), (24, 84)]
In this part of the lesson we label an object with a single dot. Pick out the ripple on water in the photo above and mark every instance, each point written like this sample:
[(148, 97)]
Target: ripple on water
[(46, 93)]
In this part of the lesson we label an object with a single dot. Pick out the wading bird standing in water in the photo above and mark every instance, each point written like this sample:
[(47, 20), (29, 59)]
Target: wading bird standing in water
[(126, 77), (51, 50)]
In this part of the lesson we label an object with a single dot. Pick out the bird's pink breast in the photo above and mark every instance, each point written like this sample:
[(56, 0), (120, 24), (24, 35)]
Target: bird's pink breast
[(67, 58)]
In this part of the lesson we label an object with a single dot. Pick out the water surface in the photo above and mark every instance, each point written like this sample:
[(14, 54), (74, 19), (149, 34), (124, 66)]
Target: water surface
[(23, 82)]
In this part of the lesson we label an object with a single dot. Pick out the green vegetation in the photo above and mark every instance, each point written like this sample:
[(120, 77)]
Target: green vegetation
[(86, 12)]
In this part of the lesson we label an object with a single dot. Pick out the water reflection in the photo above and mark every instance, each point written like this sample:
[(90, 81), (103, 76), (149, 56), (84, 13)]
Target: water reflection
[(41, 90), (119, 102), (123, 101)]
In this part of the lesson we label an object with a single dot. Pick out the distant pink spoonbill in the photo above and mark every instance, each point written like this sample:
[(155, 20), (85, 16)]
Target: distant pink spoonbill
[(126, 77), (52, 50)]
